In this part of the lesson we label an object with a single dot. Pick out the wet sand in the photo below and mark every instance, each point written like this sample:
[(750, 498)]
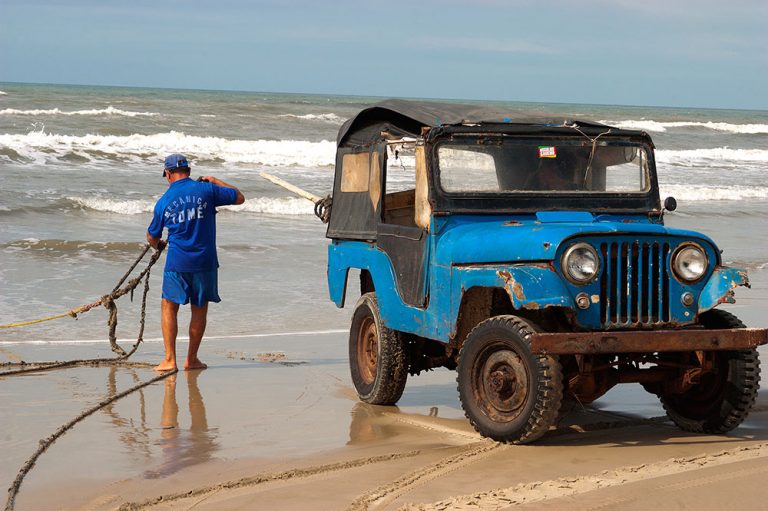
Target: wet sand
[(274, 423)]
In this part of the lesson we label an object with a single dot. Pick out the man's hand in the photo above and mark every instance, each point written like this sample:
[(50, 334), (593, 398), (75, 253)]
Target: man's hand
[(218, 182), (156, 243)]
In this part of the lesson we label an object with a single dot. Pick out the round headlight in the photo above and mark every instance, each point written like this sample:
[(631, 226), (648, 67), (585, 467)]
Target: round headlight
[(689, 262), (580, 263)]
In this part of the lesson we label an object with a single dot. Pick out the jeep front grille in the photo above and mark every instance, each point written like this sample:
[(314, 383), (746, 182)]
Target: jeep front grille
[(634, 285)]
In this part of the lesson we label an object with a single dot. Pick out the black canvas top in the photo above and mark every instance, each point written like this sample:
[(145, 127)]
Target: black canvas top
[(406, 118)]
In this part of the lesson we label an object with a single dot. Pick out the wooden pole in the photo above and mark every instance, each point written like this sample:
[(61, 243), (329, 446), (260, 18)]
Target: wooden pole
[(292, 188)]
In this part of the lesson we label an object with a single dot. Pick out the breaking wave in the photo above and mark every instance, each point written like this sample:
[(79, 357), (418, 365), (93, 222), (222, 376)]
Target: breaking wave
[(3, 93), (110, 110), (275, 206), (125, 207), (660, 126), (717, 153), (263, 205), (329, 118), (709, 193), (41, 147)]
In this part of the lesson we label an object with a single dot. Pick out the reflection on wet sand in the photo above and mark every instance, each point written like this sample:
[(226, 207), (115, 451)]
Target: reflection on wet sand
[(181, 449), (370, 424)]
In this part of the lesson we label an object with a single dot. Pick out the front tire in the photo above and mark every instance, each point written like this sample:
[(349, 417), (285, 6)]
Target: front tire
[(377, 358), (508, 393), (724, 397)]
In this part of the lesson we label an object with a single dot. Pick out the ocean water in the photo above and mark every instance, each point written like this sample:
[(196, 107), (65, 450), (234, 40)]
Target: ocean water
[(80, 169)]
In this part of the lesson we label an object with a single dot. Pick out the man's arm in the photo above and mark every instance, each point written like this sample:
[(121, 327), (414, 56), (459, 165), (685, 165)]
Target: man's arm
[(218, 182), (156, 243)]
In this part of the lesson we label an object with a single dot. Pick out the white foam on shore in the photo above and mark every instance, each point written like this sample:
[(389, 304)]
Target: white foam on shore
[(110, 110), (42, 147), (661, 126), (183, 339), (3, 93)]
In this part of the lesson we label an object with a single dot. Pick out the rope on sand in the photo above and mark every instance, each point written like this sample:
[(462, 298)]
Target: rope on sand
[(13, 490), (107, 301)]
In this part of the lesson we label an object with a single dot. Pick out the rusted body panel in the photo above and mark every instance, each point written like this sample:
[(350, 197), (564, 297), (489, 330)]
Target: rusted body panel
[(720, 287), (650, 341)]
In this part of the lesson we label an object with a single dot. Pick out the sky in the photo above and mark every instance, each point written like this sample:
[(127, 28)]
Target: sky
[(679, 53)]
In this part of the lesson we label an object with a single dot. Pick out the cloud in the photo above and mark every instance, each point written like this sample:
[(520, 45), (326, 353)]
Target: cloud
[(483, 45)]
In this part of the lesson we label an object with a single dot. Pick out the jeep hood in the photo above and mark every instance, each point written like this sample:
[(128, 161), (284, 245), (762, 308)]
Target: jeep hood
[(483, 240)]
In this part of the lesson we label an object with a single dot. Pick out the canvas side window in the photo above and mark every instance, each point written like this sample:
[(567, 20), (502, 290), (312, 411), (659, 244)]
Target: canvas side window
[(354, 172)]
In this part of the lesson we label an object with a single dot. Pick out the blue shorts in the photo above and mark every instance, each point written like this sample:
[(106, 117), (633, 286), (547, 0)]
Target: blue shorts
[(199, 287)]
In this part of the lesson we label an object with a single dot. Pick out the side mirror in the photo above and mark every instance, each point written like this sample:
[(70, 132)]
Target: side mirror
[(670, 204)]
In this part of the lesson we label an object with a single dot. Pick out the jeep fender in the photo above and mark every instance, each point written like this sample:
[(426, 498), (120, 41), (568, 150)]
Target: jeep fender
[(719, 288), (529, 286)]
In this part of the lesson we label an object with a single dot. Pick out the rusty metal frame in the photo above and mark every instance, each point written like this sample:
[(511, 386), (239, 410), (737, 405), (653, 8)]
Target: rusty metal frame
[(647, 341)]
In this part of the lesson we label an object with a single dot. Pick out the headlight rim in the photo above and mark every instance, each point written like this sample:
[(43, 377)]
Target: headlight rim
[(673, 262), (564, 263)]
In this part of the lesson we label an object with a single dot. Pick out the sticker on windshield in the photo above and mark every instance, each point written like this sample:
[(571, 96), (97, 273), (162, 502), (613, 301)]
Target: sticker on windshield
[(546, 151)]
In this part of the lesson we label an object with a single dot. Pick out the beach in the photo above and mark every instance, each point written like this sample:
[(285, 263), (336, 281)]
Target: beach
[(274, 422)]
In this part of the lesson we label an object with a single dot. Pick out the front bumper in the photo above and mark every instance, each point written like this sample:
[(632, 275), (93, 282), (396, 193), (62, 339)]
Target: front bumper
[(647, 341)]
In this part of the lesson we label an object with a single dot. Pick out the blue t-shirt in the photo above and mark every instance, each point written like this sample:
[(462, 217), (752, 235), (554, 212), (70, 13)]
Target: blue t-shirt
[(188, 211)]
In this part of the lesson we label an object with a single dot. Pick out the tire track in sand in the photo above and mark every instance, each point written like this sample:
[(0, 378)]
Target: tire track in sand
[(295, 473), (387, 492), (538, 491)]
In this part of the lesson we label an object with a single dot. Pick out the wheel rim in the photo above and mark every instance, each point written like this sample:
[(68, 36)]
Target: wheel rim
[(367, 350), (501, 384)]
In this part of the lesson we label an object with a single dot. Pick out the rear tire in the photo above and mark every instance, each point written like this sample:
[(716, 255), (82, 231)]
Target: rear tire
[(723, 398), (377, 358), (508, 393)]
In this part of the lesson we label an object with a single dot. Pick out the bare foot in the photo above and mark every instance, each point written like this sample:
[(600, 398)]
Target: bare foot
[(190, 365), (165, 366)]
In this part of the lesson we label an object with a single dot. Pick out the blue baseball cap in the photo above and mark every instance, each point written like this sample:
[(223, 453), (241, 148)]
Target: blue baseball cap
[(175, 162)]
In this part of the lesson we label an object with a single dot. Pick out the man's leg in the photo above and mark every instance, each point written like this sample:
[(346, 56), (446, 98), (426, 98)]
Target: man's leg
[(169, 311), (196, 331)]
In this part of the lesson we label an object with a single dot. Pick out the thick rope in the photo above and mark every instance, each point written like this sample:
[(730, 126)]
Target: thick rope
[(13, 490), (109, 302)]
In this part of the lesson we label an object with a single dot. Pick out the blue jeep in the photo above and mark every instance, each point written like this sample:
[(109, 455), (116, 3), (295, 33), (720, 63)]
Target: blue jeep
[(531, 255)]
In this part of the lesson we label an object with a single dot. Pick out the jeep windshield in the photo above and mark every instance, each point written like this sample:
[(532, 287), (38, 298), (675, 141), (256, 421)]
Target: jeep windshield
[(505, 165)]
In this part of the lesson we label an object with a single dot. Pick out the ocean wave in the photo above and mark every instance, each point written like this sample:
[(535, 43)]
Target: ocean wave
[(41, 147), (110, 110), (71, 246), (125, 207), (329, 118), (272, 206), (709, 193), (661, 126), (717, 153), (3, 93), (264, 205)]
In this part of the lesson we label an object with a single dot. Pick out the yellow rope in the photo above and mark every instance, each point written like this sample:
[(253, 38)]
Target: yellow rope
[(72, 313)]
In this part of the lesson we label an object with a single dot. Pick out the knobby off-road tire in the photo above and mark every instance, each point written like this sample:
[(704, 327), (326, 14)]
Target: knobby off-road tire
[(723, 398), (508, 393), (377, 356)]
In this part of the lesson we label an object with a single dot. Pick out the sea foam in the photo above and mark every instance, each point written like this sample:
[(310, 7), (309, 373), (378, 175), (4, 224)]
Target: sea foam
[(329, 118), (275, 206), (125, 207), (661, 126), (708, 155), (110, 110), (41, 147), (694, 193)]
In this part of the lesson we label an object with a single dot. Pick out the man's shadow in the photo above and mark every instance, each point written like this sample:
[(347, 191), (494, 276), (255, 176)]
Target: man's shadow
[(183, 448)]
